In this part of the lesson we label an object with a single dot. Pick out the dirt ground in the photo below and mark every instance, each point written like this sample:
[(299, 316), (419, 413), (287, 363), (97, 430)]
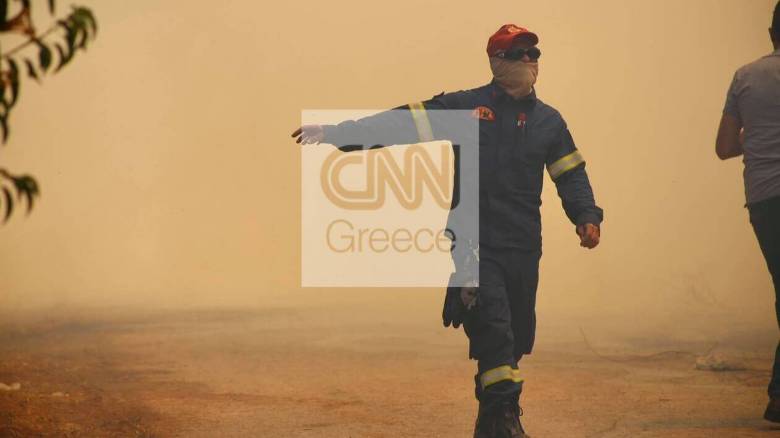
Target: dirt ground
[(322, 372)]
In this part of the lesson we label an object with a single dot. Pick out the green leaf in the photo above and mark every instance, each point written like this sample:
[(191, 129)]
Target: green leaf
[(44, 55), (31, 69), (3, 12), (92, 22), (80, 21), (70, 32), (9, 204), (64, 57), (85, 15), (4, 127), (82, 35), (33, 185), (30, 200), (14, 81), (27, 186)]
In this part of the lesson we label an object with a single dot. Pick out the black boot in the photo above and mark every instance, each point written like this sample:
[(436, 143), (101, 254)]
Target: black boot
[(500, 422), (772, 412), (486, 424), (510, 426)]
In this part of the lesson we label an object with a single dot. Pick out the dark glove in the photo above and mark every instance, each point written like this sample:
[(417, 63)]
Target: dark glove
[(461, 293), (453, 306), (458, 300)]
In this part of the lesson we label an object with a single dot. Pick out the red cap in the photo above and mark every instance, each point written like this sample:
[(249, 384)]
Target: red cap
[(505, 37)]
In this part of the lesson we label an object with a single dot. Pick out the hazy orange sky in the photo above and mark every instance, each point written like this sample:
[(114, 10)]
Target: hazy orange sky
[(168, 176)]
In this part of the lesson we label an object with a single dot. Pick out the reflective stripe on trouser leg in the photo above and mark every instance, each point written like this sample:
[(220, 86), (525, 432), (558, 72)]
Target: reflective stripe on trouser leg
[(424, 131), (499, 374)]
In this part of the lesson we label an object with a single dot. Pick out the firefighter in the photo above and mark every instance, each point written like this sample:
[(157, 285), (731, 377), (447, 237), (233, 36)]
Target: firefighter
[(519, 135)]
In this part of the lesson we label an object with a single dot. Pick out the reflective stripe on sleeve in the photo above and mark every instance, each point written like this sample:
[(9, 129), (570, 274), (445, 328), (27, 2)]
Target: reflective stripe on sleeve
[(504, 372), (565, 164), (424, 131)]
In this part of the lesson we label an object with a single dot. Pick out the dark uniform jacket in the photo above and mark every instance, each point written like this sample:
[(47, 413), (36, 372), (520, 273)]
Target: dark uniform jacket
[(517, 140)]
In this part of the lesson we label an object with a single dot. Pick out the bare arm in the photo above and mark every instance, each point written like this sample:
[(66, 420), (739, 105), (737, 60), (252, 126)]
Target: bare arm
[(729, 141)]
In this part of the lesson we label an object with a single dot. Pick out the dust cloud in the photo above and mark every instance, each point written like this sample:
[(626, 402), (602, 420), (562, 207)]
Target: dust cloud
[(169, 179)]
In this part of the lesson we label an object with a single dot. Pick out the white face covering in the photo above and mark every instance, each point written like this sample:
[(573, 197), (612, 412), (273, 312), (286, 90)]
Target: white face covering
[(517, 78)]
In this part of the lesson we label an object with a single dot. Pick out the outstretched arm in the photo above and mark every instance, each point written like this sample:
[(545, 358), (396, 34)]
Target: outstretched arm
[(407, 124)]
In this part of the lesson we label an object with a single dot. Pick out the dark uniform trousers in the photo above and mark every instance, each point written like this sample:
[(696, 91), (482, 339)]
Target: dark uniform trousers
[(765, 218), (501, 328)]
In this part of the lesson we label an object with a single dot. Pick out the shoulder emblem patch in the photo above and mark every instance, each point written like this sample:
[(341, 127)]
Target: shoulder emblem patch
[(483, 113)]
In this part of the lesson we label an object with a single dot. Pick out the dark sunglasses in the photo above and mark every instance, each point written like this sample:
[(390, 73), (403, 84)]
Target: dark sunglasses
[(518, 53)]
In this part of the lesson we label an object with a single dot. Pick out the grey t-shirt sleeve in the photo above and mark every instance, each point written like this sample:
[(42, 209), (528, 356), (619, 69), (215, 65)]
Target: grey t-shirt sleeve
[(732, 98)]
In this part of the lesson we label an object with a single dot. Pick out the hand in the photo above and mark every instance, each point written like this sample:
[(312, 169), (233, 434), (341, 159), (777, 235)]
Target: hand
[(309, 134), (468, 295), (589, 235), (458, 300)]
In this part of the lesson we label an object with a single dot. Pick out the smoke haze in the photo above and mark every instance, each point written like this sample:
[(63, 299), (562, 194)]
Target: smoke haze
[(169, 179)]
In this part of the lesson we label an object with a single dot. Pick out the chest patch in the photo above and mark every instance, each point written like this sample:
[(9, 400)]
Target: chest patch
[(521, 120), (484, 113)]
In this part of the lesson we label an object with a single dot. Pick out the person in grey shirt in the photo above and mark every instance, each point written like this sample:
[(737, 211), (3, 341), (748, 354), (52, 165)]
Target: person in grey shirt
[(750, 127)]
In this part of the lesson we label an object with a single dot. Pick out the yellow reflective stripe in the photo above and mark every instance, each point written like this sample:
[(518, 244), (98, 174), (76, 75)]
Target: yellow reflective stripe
[(424, 131), (504, 372), (565, 164)]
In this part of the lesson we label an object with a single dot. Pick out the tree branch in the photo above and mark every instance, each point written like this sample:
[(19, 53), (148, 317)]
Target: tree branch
[(32, 40)]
